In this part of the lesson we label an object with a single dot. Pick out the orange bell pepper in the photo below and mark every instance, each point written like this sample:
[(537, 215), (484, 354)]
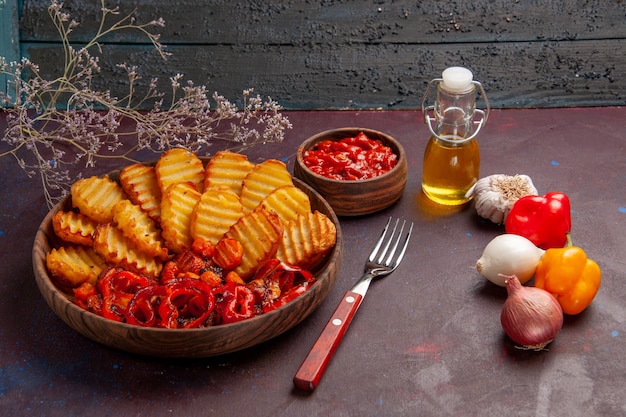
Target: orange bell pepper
[(569, 276)]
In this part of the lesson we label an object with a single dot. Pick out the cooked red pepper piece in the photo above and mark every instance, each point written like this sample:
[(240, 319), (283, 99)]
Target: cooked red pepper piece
[(168, 313), (275, 278), (276, 273), (228, 253), (211, 277), (545, 221), (118, 287), (104, 284), (120, 281), (189, 261), (187, 303), (234, 302), (87, 297), (203, 247), (114, 306), (142, 309), (287, 275), (286, 297), (264, 292), (170, 272)]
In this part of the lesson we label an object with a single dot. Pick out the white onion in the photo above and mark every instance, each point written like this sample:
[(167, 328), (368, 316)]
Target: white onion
[(509, 254)]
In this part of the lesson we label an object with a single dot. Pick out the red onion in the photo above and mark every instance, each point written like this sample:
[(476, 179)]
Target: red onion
[(531, 317)]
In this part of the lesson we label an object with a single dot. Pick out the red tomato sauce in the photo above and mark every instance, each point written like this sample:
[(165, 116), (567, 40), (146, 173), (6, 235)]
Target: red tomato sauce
[(351, 158)]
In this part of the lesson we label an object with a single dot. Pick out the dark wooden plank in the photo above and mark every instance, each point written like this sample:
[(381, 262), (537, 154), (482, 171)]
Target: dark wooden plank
[(355, 54), (299, 22), (514, 74)]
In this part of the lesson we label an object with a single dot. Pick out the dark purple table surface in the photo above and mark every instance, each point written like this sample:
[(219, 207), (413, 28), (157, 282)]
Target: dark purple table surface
[(427, 340)]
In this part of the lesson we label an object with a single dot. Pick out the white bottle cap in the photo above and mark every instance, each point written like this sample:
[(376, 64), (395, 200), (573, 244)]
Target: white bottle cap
[(457, 79)]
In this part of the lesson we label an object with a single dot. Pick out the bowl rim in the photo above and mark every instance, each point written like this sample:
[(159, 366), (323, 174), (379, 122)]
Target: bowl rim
[(44, 242), (318, 137)]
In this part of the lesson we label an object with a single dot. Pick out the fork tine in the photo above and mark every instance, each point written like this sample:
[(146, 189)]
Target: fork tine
[(381, 257), (379, 242), (404, 246), (395, 246)]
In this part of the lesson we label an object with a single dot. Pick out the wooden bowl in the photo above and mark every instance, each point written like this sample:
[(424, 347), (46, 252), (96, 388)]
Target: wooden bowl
[(185, 343), (359, 197)]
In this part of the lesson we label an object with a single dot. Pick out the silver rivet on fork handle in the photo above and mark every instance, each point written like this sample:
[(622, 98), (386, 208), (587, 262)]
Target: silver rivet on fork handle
[(382, 261)]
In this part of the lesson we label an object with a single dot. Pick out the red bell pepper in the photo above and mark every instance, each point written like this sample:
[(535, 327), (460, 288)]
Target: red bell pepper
[(545, 221)]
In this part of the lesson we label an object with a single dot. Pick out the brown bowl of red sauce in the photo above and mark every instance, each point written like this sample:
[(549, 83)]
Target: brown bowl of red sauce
[(358, 171)]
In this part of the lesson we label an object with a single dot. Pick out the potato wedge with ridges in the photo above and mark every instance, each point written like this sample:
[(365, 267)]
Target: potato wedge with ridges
[(179, 165), (307, 240), (259, 232), (287, 201), (74, 227), (261, 181), (111, 244), (95, 197), (140, 184), (217, 210), (227, 169), (177, 205), (140, 229), (71, 266)]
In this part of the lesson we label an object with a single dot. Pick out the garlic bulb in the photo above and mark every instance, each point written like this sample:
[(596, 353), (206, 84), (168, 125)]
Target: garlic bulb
[(495, 195)]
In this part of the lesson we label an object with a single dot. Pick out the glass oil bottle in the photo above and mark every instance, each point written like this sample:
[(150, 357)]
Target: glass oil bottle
[(452, 157)]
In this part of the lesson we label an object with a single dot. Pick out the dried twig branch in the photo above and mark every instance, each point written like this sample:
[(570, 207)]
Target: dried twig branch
[(52, 124)]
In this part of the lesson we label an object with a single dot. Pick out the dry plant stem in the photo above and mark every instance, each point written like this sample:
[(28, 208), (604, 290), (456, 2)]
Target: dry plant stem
[(53, 124)]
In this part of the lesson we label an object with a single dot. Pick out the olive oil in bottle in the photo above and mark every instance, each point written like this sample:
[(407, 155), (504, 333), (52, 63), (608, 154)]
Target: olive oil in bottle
[(450, 170), (452, 157)]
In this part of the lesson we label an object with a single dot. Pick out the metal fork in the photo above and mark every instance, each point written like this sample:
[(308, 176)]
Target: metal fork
[(380, 263)]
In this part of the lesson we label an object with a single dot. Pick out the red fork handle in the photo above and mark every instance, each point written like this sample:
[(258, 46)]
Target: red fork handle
[(315, 363)]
